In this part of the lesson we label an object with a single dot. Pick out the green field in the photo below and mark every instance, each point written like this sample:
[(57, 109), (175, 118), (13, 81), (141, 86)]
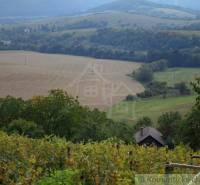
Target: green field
[(176, 75), (187, 33), (153, 108)]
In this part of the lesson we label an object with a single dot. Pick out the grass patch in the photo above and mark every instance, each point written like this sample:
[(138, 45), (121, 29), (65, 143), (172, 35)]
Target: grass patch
[(176, 75), (153, 108)]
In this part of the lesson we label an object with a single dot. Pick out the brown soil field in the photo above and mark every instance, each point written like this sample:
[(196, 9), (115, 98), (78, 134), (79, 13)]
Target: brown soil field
[(97, 83)]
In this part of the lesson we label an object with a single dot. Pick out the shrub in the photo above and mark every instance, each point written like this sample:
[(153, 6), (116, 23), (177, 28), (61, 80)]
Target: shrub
[(144, 74), (131, 97), (159, 65), (169, 125), (143, 122), (182, 88), (23, 127), (10, 109), (65, 177)]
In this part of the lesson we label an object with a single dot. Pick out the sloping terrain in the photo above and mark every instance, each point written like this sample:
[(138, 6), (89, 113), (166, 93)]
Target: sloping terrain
[(153, 108), (145, 7), (193, 4), (97, 83), (119, 19), (177, 75)]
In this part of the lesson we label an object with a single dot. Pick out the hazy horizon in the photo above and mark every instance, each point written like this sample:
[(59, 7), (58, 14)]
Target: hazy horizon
[(66, 7)]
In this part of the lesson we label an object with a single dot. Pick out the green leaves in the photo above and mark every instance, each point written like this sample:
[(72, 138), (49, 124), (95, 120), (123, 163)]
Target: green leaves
[(196, 87), (10, 109), (66, 177), (52, 161), (58, 114)]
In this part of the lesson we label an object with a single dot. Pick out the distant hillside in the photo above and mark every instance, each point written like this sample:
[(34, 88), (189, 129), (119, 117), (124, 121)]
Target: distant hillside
[(146, 7), (119, 19), (193, 4), (11, 8)]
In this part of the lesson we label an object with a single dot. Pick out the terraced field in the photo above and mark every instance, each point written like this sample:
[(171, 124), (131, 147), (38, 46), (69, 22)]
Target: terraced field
[(97, 83)]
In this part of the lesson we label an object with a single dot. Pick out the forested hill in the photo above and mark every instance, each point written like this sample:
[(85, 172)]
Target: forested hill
[(13, 8)]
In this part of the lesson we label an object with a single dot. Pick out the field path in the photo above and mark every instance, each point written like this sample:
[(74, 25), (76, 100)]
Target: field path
[(97, 83)]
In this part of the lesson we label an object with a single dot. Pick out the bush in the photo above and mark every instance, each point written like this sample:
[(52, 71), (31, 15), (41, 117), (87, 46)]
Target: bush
[(154, 88), (143, 122), (190, 129), (145, 94), (182, 88), (131, 97), (23, 127), (169, 125), (66, 177), (143, 74), (10, 109), (159, 65)]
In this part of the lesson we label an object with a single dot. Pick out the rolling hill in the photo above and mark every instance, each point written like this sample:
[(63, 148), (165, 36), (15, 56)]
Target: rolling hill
[(98, 83), (114, 19), (194, 4), (31, 8), (145, 7)]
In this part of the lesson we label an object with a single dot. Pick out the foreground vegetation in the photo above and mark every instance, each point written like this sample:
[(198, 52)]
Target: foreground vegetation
[(61, 115), (24, 161), (38, 157), (58, 114)]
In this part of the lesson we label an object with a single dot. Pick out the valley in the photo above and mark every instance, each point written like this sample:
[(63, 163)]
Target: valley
[(99, 92)]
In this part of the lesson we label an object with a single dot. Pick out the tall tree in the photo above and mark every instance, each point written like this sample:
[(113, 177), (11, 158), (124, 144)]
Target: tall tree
[(191, 126)]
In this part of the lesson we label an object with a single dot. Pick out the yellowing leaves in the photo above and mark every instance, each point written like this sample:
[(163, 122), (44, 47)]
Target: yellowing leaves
[(23, 161)]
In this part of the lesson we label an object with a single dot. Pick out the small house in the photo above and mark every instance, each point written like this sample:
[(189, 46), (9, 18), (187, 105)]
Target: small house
[(149, 136)]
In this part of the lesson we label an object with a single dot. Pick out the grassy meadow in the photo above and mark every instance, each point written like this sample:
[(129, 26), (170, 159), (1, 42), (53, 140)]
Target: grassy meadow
[(177, 75), (153, 108)]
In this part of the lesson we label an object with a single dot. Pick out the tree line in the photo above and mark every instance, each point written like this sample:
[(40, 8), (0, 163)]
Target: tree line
[(145, 75), (122, 44)]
